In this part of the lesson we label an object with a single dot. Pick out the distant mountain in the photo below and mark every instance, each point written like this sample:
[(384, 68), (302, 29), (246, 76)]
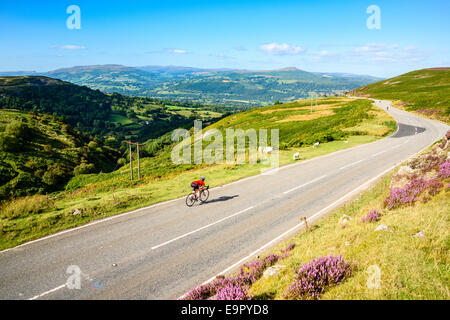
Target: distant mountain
[(227, 87), (18, 73), (349, 75), (179, 69)]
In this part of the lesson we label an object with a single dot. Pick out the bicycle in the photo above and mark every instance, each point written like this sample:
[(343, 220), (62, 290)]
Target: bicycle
[(203, 196)]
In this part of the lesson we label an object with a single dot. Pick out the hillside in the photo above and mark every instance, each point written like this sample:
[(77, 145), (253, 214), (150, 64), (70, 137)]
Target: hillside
[(243, 88), (423, 91), (39, 153), (332, 119), (411, 255), (109, 117)]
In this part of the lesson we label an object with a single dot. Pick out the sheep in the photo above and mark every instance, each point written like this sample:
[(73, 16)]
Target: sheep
[(296, 156)]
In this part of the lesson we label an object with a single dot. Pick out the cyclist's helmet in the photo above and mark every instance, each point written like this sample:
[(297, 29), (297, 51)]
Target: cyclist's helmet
[(203, 178)]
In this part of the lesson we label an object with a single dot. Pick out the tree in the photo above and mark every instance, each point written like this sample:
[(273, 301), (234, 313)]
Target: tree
[(10, 143), (55, 175), (84, 168)]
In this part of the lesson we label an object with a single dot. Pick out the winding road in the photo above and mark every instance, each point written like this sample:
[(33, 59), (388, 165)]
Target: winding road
[(161, 251)]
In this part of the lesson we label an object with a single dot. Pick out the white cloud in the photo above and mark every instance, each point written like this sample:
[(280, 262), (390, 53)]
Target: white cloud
[(176, 51), (380, 52), (375, 47), (321, 53), (281, 49), (69, 47)]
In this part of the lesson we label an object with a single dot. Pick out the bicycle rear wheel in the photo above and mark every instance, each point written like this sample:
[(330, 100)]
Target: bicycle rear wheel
[(204, 195), (190, 200)]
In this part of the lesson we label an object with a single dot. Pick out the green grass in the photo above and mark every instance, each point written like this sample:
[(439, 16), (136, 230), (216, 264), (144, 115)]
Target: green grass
[(106, 194), (425, 90), (298, 126), (118, 118), (411, 267)]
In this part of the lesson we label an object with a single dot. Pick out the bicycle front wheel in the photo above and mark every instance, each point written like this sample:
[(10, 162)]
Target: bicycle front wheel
[(204, 195), (190, 200)]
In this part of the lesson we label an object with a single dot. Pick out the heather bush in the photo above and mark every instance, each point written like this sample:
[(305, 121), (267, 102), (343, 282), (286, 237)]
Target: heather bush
[(410, 193), (236, 288), (233, 292), (313, 278), (373, 216), (202, 292), (286, 252), (432, 162), (444, 170)]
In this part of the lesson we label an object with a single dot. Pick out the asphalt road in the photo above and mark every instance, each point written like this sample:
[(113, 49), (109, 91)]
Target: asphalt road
[(162, 251)]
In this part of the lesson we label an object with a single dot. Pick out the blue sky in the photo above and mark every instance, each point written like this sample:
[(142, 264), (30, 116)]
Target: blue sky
[(323, 36)]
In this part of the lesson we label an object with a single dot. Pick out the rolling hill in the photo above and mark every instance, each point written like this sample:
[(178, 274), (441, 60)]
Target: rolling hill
[(422, 91), (243, 88), (108, 117)]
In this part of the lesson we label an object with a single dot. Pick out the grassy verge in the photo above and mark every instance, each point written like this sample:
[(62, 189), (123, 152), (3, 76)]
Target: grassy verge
[(412, 267)]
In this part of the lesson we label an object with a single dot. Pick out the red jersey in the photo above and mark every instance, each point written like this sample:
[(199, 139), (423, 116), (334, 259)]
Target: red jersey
[(199, 182)]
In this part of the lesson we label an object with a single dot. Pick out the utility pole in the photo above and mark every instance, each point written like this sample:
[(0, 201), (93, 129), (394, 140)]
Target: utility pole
[(139, 165), (316, 102), (131, 159)]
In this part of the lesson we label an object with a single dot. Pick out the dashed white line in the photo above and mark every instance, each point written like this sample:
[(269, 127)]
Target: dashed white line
[(298, 187), (199, 229), (351, 164), (377, 154)]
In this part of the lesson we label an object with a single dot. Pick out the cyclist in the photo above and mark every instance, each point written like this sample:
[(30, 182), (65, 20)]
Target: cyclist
[(196, 184)]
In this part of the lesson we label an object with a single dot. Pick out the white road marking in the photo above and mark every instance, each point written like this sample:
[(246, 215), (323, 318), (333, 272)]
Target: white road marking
[(298, 187), (351, 164), (47, 292), (406, 141), (377, 154), (199, 229)]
